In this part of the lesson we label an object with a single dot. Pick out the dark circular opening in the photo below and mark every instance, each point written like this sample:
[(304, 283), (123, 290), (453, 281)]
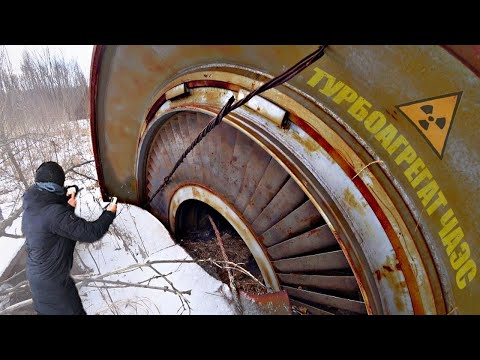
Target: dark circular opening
[(195, 234)]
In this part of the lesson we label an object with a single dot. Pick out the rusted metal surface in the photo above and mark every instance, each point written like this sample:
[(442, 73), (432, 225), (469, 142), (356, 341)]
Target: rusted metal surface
[(177, 91), (275, 303), (184, 133), (160, 160), (252, 174), (203, 151), (374, 242), (334, 260), (134, 74), (339, 283), (431, 70), (373, 202), (315, 239), (285, 201), (350, 196), (252, 100), (94, 75), (327, 300), (265, 108), (225, 149), (212, 83), (302, 219), (311, 309), (153, 110), (406, 308), (178, 131), (270, 184), (194, 157), (469, 55), (239, 164)]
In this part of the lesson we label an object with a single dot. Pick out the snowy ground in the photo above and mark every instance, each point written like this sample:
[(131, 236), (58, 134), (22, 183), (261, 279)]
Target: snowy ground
[(9, 247), (134, 238), (137, 237)]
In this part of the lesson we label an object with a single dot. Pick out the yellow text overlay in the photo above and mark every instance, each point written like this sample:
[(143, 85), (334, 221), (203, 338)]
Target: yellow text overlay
[(402, 153)]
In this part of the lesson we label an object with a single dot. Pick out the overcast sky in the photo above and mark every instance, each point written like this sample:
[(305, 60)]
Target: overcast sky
[(82, 53)]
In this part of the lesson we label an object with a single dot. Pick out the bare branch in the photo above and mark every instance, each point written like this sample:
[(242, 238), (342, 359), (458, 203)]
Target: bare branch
[(77, 166), (136, 228), (16, 166), (16, 306), (13, 277), (183, 300), (20, 286), (233, 287), (98, 268), (123, 284), (83, 175), (245, 272), (13, 236), (9, 221)]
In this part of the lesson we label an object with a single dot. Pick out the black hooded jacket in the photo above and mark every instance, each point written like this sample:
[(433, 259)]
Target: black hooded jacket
[(52, 229)]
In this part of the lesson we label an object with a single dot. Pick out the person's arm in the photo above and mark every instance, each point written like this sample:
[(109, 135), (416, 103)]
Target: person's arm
[(65, 223)]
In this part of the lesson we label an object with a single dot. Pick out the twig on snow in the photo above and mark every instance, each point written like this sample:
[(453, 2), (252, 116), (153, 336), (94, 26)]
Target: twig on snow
[(236, 296), (16, 306)]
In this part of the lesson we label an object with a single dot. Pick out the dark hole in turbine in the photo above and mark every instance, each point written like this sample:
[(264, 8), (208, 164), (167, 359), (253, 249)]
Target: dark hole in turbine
[(195, 234)]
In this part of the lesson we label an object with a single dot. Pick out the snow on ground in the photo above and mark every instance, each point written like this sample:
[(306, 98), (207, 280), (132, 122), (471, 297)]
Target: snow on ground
[(9, 247), (134, 238)]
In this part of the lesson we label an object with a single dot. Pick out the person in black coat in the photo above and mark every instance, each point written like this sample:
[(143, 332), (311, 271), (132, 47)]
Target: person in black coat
[(52, 229)]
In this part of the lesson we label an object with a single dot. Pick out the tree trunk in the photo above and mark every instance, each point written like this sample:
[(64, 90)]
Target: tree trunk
[(17, 167)]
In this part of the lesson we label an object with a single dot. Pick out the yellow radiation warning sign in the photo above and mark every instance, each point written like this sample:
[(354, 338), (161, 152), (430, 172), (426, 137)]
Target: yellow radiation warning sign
[(433, 117)]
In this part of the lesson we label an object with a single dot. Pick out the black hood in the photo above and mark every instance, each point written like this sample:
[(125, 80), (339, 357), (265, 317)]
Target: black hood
[(36, 198)]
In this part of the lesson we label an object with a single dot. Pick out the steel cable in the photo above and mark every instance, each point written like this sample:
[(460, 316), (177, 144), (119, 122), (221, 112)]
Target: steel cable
[(230, 106)]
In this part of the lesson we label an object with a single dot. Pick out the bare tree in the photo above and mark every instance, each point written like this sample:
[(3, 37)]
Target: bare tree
[(37, 109)]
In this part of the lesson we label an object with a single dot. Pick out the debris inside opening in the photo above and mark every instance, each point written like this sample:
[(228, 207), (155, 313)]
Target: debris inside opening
[(196, 235)]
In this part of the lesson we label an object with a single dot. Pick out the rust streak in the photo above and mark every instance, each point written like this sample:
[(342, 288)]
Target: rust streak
[(154, 108), (308, 143), (388, 268), (352, 202), (191, 85)]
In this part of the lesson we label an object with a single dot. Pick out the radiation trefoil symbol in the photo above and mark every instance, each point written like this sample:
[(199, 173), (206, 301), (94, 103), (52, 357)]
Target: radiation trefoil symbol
[(433, 118), (428, 109)]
